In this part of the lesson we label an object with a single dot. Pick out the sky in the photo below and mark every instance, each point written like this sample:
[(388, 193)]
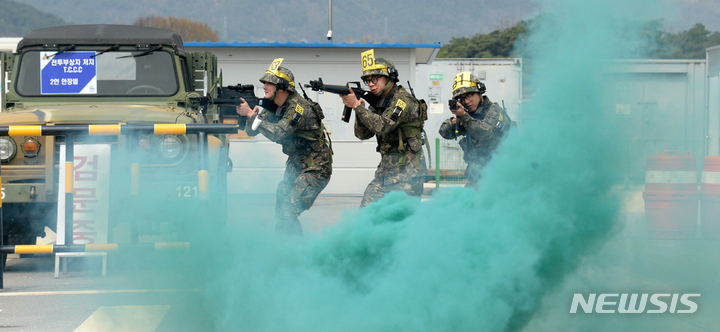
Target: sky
[(372, 20)]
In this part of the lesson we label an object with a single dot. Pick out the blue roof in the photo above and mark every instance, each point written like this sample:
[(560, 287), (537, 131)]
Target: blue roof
[(304, 44)]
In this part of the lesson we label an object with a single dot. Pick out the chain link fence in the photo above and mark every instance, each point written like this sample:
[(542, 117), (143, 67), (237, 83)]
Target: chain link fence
[(449, 164), (450, 167)]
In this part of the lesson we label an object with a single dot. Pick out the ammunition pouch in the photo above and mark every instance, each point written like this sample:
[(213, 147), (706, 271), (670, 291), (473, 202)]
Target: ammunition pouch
[(316, 138), (410, 132), (316, 107), (415, 144), (423, 109), (311, 135), (410, 138)]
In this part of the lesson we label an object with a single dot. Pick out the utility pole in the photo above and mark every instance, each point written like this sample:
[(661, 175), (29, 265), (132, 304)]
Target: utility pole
[(385, 35), (329, 34), (224, 36)]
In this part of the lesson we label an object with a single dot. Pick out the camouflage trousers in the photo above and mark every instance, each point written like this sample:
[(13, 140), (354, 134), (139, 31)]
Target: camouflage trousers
[(473, 172), (378, 188), (295, 194)]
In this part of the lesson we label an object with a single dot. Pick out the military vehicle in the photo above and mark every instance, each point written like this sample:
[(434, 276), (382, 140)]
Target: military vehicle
[(109, 74)]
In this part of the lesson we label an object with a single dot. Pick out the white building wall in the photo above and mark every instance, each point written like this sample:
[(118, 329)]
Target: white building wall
[(713, 75), (433, 82), (258, 163), (8, 44)]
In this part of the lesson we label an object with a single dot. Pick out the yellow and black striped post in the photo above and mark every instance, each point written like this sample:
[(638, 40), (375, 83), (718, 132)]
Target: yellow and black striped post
[(203, 176), (119, 129), (134, 185), (105, 247), (2, 235), (69, 131), (69, 186)]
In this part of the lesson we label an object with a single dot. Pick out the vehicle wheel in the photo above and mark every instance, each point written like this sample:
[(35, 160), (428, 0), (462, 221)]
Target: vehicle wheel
[(19, 234), (22, 239)]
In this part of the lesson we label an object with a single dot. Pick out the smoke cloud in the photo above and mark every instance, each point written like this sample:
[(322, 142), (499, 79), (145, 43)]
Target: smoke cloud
[(464, 260)]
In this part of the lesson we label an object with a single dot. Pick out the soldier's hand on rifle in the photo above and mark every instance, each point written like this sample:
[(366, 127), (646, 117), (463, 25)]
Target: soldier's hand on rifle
[(244, 109), (459, 111), (453, 119), (350, 100)]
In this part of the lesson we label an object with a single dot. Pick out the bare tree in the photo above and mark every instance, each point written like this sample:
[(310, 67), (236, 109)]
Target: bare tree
[(188, 29)]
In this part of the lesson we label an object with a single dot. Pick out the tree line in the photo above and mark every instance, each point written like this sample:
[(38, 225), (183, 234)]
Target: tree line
[(659, 44), (17, 19)]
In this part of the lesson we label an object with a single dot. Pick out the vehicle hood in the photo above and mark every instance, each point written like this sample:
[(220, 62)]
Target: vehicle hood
[(94, 114)]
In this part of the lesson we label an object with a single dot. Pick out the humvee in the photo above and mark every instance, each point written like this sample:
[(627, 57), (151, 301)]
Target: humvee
[(109, 74)]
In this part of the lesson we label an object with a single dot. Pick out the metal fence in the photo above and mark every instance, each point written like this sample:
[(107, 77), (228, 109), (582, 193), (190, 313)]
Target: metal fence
[(449, 163), (450, 167)]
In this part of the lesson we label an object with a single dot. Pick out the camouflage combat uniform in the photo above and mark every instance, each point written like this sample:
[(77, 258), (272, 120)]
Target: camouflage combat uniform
[(309, 163), (402, 164), (482, 136)]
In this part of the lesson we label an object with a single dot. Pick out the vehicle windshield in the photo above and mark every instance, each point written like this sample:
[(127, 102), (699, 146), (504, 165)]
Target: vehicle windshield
[(116, 73)]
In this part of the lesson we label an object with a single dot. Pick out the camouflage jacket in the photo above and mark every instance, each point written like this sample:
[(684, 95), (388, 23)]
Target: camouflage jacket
[(481, 131), (399, 141), (297, 127)]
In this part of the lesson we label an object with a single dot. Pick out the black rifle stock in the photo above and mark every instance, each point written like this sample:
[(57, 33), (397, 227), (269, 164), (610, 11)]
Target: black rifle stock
[(344, 90)]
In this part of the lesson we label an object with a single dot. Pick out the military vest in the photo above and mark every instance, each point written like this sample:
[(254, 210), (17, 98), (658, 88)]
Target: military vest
[(476, 150), (309, 130), (407, 135)]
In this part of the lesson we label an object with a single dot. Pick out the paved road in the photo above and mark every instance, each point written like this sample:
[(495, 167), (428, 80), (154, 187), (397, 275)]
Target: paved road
[(159, 294)]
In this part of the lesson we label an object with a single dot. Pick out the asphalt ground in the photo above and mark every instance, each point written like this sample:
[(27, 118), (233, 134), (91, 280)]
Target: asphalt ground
[(631, 262)]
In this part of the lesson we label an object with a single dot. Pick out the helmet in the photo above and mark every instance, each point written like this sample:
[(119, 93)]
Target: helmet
[(281, 77), (381, 67), (465, 82)]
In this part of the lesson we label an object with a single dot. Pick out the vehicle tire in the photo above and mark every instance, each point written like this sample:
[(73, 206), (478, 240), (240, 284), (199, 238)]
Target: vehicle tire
[(21, 239), (19, 235)]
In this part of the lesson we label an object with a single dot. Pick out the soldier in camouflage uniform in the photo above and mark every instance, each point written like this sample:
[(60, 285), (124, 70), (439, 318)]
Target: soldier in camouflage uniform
[(397, 122), (482, 125), (297, 126)]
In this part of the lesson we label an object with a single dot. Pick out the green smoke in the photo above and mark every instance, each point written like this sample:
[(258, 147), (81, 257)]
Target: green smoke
[(464, 260)]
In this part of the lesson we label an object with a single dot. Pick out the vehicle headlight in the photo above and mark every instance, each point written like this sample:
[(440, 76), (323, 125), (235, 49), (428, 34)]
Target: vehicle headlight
[(8, 148), (170, 146)]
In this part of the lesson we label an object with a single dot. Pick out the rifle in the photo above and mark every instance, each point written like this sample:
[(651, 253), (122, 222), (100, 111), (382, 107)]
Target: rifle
[(452, 103), (230, 96), (411, 89), (513, 124), (343, 90)]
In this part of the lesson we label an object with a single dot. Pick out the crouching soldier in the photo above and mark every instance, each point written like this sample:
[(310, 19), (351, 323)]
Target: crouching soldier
[(296, 125)]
